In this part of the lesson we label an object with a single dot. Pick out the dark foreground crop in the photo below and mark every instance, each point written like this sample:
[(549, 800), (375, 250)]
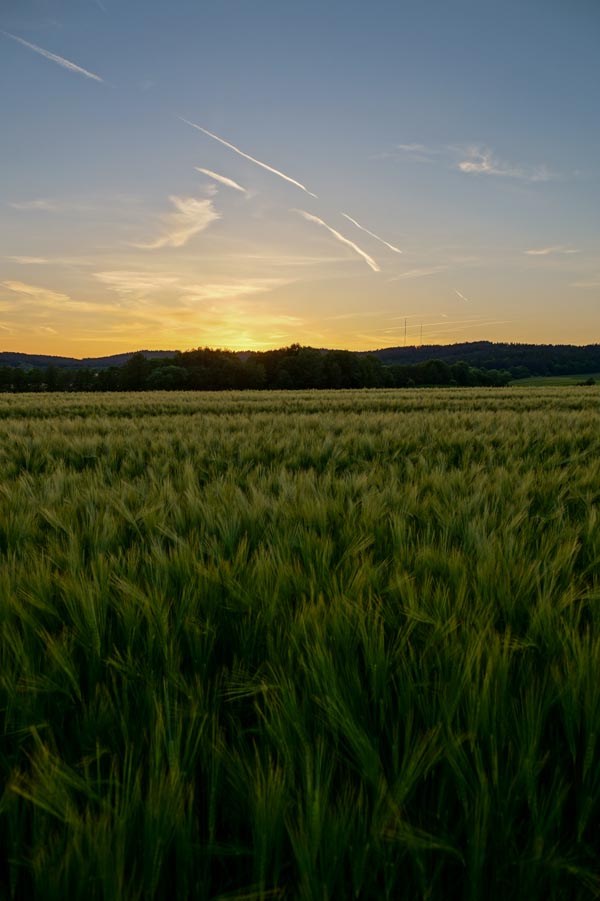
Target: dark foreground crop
[(330, 646)]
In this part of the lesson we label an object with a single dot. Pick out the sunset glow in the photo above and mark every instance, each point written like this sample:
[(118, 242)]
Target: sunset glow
[(251, 176)]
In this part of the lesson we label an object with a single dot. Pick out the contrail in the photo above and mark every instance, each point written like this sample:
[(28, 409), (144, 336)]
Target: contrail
[(247, 156), (462, 296), (373, 235), (229, 182), (545, 251), (368, 260), (65, 63)]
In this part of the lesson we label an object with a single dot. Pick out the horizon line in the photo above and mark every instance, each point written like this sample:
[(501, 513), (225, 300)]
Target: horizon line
[(224, 349)]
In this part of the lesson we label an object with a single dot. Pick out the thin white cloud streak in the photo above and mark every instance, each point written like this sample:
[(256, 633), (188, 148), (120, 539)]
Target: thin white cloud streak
[(35, 292), (60, 60), (289, 261), (139, 285), (368, 260), (29, 261), (44, 297), (418, 273), (460, 327), (547, 251), (134, 284), (76, 262), (593, 282), (431, 329), (191, 217), (406, 316), (49, 206), (101, 5), (416, 148), (481, 161), (229, 290), (421, 322), (361, 315), (228, 182), (462, 296), (248, 157), (373, 235), (419, 152)]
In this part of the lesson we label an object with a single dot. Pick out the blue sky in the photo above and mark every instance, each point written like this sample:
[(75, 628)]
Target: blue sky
[(465, 135)]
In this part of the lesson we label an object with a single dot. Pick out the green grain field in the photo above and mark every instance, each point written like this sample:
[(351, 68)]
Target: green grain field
[(326, 645)]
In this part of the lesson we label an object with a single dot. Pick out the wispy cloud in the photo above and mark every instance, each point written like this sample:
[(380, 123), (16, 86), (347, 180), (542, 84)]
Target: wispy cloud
[(436, 329), (418, 273), (41, 297), (475, 159), (361, 314), (431, 330), (461, 296), (60, 60), (228, 182), (43, 204), (237, 288), (75, 261), (404, 316), (191, 217), (373, 235), (29, 261), (481, 161), (248, 157), (548, 251), (368, 260), (593, 282), (289, 260), (54, 205), (136, 284), (36, 292), (216, 312), (419, 152), (415, 148)]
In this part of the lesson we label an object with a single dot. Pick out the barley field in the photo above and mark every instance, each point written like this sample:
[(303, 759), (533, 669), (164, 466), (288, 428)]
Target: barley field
[(317, 645)]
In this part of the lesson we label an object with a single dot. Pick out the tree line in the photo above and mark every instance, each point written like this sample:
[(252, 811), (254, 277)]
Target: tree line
[(522, 360), (293, 367)]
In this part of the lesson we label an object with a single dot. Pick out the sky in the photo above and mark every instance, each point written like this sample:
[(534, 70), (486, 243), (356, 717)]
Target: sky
[(338, 174)]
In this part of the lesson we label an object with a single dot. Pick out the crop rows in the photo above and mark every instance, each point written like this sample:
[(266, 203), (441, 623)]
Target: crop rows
[(300, 645)]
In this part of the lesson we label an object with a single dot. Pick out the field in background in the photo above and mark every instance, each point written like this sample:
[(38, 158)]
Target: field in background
[(551, 381), (300, 645)]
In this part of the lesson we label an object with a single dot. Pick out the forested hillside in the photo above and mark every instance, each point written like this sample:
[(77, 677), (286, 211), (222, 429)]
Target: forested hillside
[(479, 363), (292, 367), (521, 360), (41, 361)]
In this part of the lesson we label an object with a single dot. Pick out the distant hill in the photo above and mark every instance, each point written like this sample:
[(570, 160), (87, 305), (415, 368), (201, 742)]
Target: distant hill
[(42, 361), (520, 359)]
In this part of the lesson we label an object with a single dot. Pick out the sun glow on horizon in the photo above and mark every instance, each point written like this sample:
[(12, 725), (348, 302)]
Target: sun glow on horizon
[(247, 216)]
